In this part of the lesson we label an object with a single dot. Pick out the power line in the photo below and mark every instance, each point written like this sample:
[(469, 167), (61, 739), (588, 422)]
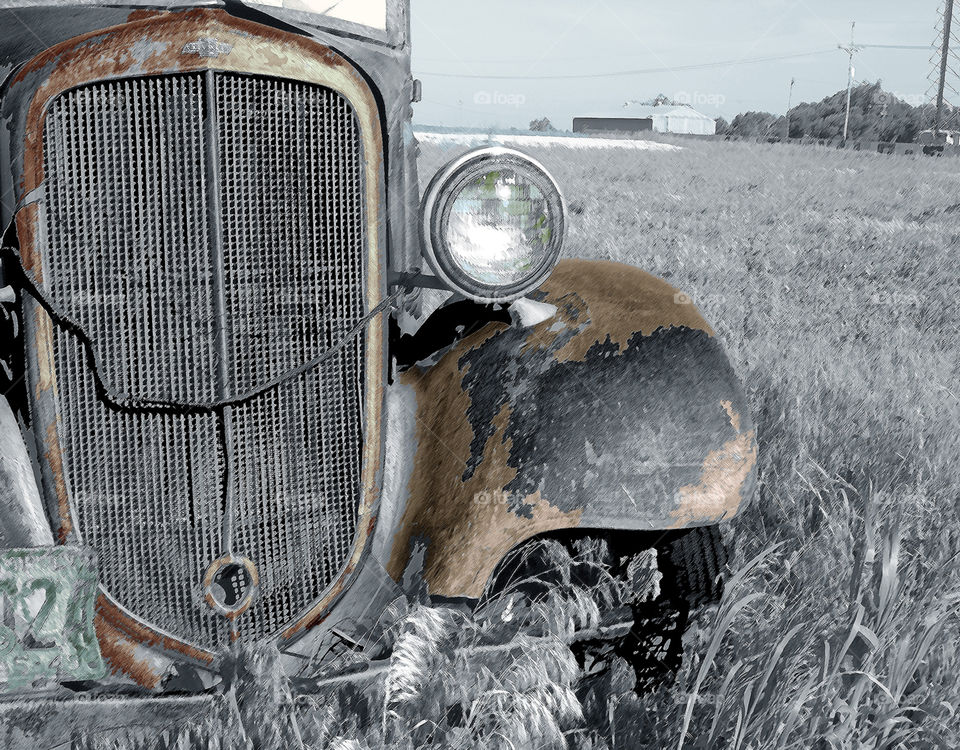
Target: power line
[(898, 46), (579, 58), (853, 49), (528, 60), (617, 73)]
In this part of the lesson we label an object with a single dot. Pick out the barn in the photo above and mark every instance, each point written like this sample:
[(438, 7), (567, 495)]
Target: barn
[(661, 118)]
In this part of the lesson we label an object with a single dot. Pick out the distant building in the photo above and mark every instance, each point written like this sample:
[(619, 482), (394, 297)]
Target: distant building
[(637, 118)]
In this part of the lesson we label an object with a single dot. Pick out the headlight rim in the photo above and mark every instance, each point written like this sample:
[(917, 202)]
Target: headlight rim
[(439, 196)]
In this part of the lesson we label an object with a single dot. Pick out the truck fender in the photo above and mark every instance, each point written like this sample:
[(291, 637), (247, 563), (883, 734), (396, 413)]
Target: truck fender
[(620, 410)]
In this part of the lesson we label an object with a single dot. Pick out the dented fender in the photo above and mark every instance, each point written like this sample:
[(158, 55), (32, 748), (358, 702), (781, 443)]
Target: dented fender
[(619, 410)]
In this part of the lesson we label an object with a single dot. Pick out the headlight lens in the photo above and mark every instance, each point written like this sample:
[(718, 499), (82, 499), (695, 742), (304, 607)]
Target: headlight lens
[(493, 224)]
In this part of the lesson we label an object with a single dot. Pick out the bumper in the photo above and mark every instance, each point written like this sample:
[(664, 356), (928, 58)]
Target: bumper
[(29, 723)]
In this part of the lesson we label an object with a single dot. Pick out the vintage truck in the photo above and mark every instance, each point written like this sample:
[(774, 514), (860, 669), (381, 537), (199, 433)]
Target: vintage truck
[(231, 411)]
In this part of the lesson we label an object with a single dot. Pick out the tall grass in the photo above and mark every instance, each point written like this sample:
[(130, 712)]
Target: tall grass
[(832, 278)]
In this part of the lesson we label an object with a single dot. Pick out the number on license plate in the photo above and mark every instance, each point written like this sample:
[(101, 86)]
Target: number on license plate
[(47, 596)]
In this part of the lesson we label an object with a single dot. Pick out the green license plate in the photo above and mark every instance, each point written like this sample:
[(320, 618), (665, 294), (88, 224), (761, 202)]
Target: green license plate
[(47, 596)]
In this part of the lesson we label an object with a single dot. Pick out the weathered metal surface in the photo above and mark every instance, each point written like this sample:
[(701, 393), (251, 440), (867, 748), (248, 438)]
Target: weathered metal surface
[(22, 520), (387, 68), (620, 411), (137, 651), (290, 275), (30, 228), (129, 659), (246, 596), (319, 612), (359, 618), (154, 45), (44, 723)]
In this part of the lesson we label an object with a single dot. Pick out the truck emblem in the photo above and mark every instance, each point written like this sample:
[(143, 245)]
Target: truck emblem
[(207, 47)]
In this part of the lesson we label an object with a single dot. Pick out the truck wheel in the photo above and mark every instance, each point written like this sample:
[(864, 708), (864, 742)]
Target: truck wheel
[(692, 563), (653, 591)]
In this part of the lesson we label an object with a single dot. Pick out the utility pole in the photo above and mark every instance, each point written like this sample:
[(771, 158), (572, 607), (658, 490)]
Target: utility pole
[(789, 99), (850, 50), (944, 55)]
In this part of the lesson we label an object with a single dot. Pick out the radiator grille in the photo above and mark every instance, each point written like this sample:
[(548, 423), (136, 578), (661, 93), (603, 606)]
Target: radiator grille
[(133, 256)]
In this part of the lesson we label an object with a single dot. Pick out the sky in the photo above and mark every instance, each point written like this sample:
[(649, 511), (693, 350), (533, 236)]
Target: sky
[(460, 48)]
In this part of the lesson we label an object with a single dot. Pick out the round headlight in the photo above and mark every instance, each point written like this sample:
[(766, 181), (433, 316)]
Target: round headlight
[(493, 224)]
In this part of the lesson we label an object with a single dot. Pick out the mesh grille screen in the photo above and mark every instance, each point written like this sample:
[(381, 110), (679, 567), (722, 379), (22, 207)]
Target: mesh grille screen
[(128, 235), (129, 257)]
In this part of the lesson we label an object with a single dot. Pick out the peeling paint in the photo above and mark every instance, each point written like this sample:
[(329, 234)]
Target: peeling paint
[(464, 544), (141, 52), (597, 417), (154, 44), (624, 300), (28, 230), (43, 343), (725, 472)]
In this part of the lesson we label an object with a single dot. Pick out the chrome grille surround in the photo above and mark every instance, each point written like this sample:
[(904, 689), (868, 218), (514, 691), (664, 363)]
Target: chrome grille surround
[(130, 167)]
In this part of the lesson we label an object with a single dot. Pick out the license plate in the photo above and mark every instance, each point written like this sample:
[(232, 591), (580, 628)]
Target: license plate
[(47, 596)]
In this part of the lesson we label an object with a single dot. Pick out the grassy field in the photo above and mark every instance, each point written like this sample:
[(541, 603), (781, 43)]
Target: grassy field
[(832, 277)]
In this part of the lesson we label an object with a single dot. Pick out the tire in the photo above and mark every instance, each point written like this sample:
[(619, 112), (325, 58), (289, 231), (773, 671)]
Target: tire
[(692, 563), (654, 645)]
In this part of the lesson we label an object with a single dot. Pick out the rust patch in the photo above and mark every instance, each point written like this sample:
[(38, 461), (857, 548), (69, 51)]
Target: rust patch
[(478, 486), (43, 342), (718, 493), (465, 541), (572, 316), (55, 461), (623, 299), (734, 417), (142, 14), (320, 611), (114, 620), (28, 225), (153, 43), (443, 440), (120, 654)]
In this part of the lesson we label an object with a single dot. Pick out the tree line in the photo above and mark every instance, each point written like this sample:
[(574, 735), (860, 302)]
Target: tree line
[(875, 115)]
